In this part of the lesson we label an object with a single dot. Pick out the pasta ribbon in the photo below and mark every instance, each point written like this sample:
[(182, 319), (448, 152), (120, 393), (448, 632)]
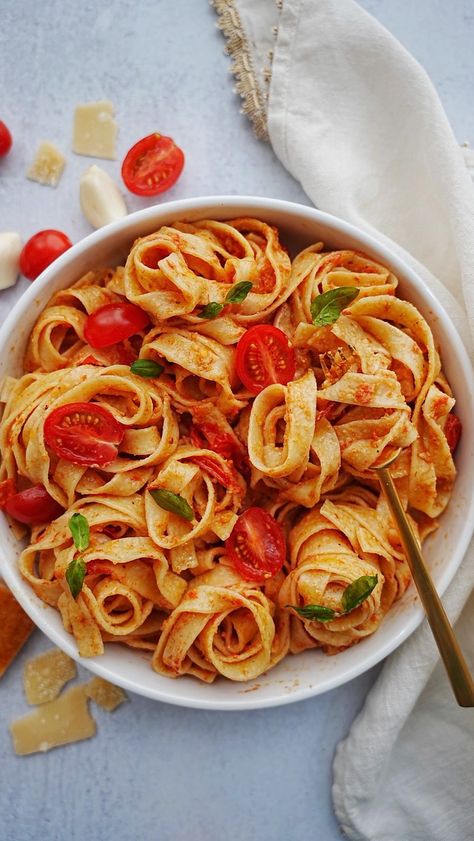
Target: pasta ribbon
[(294, 406), (317, 272), (202, 368), (226, 630), (214, 506), (344, 538)]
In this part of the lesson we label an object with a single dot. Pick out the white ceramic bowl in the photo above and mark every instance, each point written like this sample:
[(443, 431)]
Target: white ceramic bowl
[(307, 674)]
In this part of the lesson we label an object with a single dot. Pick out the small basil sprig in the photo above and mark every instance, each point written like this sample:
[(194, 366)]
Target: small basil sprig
[(76, 570), (211, 310), (146, 368), (358, 591), (75, 574), (352, 597), (172, 502), (236, 294), (326, 308), (79, 528), (315, 612)]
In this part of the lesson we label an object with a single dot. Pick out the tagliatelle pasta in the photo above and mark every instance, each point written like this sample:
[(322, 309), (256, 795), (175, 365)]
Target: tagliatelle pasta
[(214, 468)]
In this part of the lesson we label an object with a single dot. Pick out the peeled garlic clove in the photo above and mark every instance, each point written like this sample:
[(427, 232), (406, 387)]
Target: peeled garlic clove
[(10, 250), (101, 199)]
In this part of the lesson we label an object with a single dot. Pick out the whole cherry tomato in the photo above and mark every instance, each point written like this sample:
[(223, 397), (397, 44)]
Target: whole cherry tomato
[(33, 506), (5, 140), (40, 250), (113, 323)]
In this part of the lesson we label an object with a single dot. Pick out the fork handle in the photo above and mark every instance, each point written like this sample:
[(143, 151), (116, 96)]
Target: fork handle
[(452, 656)]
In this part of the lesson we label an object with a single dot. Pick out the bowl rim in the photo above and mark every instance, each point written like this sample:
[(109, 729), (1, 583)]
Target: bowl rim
[(179, 208)]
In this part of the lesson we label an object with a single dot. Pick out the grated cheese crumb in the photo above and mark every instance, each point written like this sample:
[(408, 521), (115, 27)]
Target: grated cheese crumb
[(106, 694), (48, 165)]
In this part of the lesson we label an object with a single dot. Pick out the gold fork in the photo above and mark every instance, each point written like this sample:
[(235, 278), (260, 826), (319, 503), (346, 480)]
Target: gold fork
[(451, 654)]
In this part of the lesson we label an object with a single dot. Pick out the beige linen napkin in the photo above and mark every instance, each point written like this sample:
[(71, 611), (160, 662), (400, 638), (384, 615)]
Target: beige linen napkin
[(356, 120)]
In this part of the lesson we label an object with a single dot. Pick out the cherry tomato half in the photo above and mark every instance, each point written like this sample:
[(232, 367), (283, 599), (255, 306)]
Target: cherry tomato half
[(83, 433), (33, 506), (224, 474), (208, 435), (264, 356), (256, 546), (152, 165), (5, 140), (452, 430), (41, 250), (113, 323)]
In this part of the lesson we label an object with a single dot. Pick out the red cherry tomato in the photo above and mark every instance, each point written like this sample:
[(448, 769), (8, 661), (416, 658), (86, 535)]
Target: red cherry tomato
[(223, 473), (256, 546), (41, 250), (33, 506), (152, 165), (264, 356), (5, 140), (7, 489), (114, 322), (208, 435), (452, 430), (83, 433)]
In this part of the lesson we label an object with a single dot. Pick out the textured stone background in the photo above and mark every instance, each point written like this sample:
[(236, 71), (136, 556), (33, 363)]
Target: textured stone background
[(153, 771)]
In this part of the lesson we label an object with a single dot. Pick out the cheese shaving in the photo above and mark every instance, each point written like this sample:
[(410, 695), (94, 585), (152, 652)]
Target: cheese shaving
[(95, 130), (106, 694), (45, 676), (59, 722)]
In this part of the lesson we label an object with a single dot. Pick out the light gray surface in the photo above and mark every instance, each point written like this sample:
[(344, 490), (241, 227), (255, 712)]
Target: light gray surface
[(152, 771)]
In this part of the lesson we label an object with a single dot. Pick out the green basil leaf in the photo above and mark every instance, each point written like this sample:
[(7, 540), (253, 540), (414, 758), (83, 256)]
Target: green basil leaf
[(326, 308), (172, 502), (238, 292), (358, 591), (315, 611), (75, 575), (211, 310), (146, 368), (79, 528)]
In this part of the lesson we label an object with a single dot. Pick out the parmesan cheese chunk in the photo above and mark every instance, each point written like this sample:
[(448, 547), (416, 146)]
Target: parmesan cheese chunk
[(101, 199), (15, 628), (59, 722), (95, 130), (45, 676), (106, 694), (10, 250), (48, 165)]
